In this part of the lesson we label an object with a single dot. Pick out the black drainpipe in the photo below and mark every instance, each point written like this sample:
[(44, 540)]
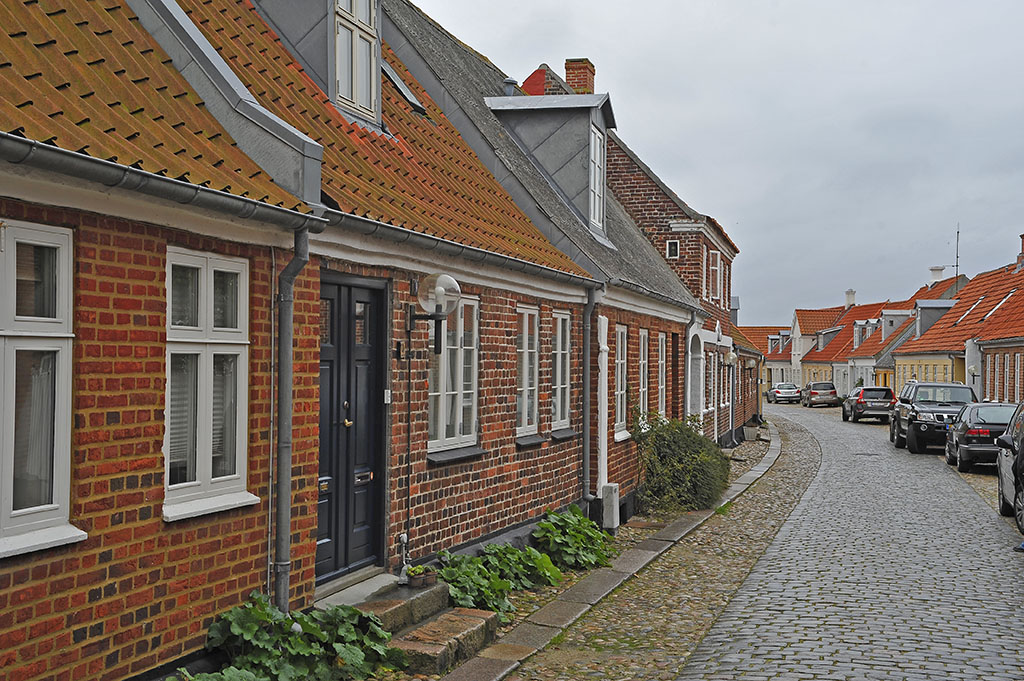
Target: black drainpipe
[(588, 313), (286, 336)]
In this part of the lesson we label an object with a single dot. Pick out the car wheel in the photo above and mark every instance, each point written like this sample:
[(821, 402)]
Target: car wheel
[(892, 434), (962, 464), (898, 439), (913, 444), (854, 417), (1005, 507), (1018, 508), (845, 417), (883, 419), (950, 458)]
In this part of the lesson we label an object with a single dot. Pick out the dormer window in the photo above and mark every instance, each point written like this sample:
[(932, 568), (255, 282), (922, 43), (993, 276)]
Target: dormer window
[(357, 56), (597, 176)]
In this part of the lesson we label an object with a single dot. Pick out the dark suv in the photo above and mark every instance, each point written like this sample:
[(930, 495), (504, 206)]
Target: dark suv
[(923, 412)]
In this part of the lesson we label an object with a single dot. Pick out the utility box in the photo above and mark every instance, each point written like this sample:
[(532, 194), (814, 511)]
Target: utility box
[(610, 507)]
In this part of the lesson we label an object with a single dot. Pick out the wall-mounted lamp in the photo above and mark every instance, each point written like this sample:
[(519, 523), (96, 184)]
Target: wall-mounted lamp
[(730, 359), (972, 370), (750, 363), (438, 297)]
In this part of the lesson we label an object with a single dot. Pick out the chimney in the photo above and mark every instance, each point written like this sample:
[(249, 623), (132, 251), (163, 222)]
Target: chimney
[(936, 274), (579, 74), (1020, 256), (851, 297), (510, 86)]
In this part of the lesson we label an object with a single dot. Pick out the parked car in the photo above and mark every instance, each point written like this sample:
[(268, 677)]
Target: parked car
[(784, 392), (1009, 473), (819, 392), (869, 401), (923, 412), (971, 437)]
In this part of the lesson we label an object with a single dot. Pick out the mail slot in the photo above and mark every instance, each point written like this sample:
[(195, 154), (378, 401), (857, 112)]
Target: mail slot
[(325, 485), (363, 478)]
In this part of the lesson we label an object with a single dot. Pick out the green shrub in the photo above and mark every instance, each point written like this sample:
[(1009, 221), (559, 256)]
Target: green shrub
[(683, 470), (572, 540), (265, 644), (471, 584), (523, 568)]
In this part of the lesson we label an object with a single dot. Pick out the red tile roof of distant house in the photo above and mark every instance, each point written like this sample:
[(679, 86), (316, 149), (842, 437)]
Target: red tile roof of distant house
[(784, 355), (842, 343), (932, 291), (970, 316), (812, 321), (758, 335), (84, 76), (873, 345), (742, 341), (423, 176)]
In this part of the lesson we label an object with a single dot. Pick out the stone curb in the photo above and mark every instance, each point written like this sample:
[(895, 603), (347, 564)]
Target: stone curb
[(500, 659)]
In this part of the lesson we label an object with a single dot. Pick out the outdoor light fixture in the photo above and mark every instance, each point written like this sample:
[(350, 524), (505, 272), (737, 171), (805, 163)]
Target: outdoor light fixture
[(730, 359), (972, 370), (751, 363), (438, 296)]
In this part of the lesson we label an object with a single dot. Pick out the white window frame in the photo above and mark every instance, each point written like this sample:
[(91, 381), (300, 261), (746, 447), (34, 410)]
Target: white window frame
[(48, 525), (347, 19), (1016, 377), (621, 340), (207, 494), (715, 275), (644, 366), (561, 359), (662, 374), (1006, 376), (528, 368), (439, 416), (598, 162), (997, 365), (672, 249)]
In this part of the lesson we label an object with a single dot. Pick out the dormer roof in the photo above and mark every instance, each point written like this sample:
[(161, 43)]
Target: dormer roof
[(596, 101)]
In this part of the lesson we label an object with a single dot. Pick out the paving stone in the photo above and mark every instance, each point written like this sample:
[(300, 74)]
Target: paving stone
[(481, 669), (594, 586), (658, 546), (632, 560), (529, 634), (678, 528), (507, 651), (558, 613)]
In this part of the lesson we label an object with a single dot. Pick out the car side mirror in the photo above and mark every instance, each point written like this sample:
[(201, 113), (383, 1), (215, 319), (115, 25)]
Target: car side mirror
[(1005, 441)]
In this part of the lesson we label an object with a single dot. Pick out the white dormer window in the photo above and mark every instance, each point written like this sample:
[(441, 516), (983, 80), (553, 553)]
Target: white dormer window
[(356, 55), (672, 249), (597, 163)]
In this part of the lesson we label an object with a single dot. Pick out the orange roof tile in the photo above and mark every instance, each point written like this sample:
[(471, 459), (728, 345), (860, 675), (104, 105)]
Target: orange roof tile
[(873, 344), (86, 77), (741, 340), (842, 343), (812, 321), (969, 317), (758, 335), (423, 177)]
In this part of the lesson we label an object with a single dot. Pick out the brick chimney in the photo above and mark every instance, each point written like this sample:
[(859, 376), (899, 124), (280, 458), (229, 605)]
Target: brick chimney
[(579, 74)]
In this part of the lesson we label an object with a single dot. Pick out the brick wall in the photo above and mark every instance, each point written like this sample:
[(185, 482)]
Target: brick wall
[(139, 592)]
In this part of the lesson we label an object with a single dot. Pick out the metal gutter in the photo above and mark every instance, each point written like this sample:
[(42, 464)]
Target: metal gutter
[(427, 242), (644, 291), (22, 151)]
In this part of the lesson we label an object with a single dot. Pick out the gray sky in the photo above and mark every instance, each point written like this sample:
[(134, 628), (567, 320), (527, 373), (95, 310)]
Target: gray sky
[(838, 141)]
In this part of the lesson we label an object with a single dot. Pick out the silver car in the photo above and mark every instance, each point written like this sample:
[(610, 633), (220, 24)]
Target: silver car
[(784, 392), (819, 392)]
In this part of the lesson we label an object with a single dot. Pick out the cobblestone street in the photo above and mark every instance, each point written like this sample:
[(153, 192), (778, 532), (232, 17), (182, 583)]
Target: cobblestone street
[(891, 567)]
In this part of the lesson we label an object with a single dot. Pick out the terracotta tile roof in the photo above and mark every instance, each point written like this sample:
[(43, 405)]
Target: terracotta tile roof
[(785, 355), (929, 292), (969, 317), (424, 177), (86, 77), (812, 321), (758, 335), (874, 345), (842, 343), (741, 340)]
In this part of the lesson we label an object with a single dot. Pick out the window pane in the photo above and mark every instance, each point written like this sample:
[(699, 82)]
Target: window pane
[(362, 325), (181, 418), (184, 296), (36, 290), (468, 326), (225, 414), (365, 70), (344, 59), (345, 6), (531, 402), (434, 406), (467, 414), (225, 300), (363, 11), (34, 412), (450, 403)]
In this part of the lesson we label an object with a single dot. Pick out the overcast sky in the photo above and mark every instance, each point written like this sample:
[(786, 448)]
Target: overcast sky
[(839, 142)]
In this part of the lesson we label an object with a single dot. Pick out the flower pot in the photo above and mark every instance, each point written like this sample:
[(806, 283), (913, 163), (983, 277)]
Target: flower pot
[(416, 581), (429, 578)]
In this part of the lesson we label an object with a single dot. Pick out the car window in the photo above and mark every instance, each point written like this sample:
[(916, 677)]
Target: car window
[(822, 386), (786, 386), (960, 415), (877, 393), (994, 413), (1015, 423)]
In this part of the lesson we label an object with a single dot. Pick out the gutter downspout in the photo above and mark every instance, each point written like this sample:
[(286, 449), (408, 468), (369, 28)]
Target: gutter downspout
[(602, 402), (687, 360), (588, 313), (286, 337)]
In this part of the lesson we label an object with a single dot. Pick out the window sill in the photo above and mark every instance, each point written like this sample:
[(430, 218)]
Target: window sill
[(563, 434), (622, 435), (37, 540), (183, 510), (531, 440), (454, 455)]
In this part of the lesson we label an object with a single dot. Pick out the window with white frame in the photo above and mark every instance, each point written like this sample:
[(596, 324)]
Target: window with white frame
[(560, 370), (662, 375), (356, 55), (528, 363), (35, 402), (1016, 377), (1006, 376), (452, 380), (672, 249), (713, 285), (207, 382), (597, 178), (620, 378), (643, 391)]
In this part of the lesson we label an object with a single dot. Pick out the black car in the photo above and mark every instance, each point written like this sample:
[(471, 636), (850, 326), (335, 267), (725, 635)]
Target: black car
[(971, 437), (923, 412), (870, 401), (1009, 471)]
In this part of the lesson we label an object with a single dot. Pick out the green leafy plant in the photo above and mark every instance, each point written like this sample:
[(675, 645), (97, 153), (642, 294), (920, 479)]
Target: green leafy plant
[(265, 644), (471, 584), (572, 540), (414, 570), (683, 470), (524, 568)]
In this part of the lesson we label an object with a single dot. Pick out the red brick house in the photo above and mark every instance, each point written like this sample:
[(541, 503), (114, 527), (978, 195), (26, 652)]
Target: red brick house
[(156, 230)]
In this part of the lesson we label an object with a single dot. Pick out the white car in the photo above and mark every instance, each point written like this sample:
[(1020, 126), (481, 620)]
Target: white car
[(784, 392)]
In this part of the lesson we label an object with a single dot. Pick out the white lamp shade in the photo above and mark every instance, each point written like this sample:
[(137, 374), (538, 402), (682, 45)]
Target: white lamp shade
[(439, 289)]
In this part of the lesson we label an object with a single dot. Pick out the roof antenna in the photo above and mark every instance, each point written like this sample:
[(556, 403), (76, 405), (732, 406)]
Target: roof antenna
[(956, 261)]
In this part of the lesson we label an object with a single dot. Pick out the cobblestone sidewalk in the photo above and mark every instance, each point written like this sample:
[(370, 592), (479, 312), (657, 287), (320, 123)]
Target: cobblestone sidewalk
[(647, 628)]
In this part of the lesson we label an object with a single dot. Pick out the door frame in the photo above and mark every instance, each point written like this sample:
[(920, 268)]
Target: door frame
[(383, 288)]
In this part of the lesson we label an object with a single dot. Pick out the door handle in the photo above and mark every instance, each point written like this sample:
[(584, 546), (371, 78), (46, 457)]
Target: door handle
[(348, 424), (363, 478)]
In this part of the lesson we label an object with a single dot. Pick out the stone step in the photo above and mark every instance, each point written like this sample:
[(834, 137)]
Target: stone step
[(446, 640), (402, 607)]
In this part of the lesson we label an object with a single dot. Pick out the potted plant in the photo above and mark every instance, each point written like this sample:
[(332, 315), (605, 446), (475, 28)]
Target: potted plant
[(421, 575)]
